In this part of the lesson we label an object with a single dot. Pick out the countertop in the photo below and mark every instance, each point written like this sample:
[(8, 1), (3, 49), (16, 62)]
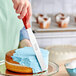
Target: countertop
[(62, 70)]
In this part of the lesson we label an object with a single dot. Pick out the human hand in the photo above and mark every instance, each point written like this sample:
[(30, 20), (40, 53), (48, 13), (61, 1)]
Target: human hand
[(22, 7), (25, 43)]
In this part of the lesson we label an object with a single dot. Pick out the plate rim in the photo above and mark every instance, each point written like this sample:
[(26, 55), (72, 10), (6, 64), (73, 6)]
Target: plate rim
[(52, 73)]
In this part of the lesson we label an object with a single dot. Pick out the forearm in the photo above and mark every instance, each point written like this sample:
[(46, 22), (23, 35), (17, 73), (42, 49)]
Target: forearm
[(24, 39)]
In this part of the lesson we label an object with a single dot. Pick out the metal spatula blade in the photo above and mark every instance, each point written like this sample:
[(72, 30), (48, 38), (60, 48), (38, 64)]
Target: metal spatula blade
[(35, 45)]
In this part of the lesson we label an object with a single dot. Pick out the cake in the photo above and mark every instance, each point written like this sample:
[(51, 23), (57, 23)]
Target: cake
[(43, 20), (75, 19), (39, 15), (74, 15), (24, 60), (62, 20)]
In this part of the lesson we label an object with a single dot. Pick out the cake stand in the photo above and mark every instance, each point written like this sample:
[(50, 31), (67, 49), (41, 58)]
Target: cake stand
[(52, 69)]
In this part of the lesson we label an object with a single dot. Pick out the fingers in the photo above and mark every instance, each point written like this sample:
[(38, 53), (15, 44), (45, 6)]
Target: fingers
[(23, 12), (19, 9), (22, 7), (26, 8), (29, 14), (15, 4)]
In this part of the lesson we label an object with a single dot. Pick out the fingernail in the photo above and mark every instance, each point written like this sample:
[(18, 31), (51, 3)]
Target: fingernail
[(19, 17)]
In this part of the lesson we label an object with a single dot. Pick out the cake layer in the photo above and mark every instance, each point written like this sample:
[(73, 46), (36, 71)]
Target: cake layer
[(13, 65), (9, 58), (18, 68), (26, 57)]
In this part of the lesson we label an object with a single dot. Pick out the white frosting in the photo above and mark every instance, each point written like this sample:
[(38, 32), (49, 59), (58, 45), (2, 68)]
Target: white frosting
[(71, 65), (45, 22), (58, 17), (66, 20), (41, 20)]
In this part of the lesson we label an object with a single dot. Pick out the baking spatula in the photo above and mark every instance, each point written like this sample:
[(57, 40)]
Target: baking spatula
[(34, 44)]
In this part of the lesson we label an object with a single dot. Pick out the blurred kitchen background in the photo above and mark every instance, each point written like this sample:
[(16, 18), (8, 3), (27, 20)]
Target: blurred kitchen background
[(61, 42), (54, 6)]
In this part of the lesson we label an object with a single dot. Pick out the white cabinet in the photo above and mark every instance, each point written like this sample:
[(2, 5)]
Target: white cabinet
[(56, 38)]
